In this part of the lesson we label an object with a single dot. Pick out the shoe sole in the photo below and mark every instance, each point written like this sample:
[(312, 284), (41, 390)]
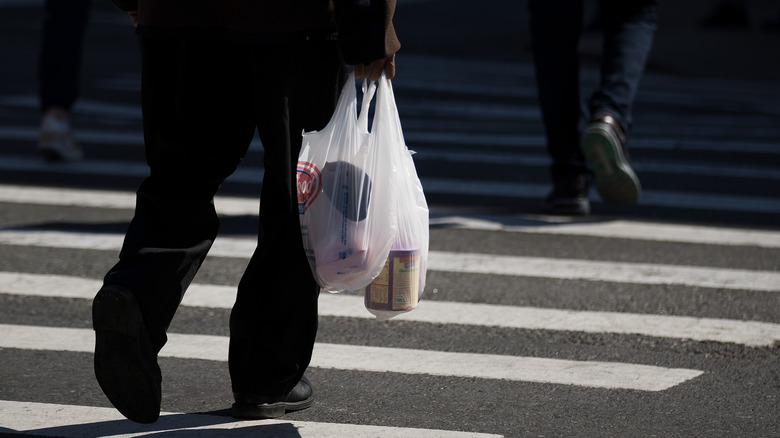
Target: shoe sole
[(271, 410), (616, 181), (131, 382)]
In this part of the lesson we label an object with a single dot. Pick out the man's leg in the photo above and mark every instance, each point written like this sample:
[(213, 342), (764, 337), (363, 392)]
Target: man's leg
[(555, 32), (274, 321), (197, 126), (59, 66), (629, 27)]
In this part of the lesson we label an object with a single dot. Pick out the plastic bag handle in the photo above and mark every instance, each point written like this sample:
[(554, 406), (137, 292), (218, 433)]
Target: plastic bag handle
[(369, 90)]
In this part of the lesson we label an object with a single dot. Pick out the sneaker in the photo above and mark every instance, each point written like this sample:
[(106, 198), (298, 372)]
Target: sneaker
[(604, 147), (56, 141), (260, 407), (569, 197), (125, 361)]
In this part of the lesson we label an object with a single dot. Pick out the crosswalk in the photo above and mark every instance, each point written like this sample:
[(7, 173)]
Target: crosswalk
[(475, 325), (59, 419)]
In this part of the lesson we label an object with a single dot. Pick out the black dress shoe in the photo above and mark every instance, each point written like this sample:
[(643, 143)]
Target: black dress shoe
[(125, 361), (258, 407), (566, 205), (569, 197)]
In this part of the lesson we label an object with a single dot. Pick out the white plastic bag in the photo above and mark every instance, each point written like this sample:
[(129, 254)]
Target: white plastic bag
[(399, 287), (345, 200)]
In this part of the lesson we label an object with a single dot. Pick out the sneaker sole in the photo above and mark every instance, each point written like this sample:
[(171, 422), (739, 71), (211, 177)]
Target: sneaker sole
[(130, 381), (59, 146), (616, 181)]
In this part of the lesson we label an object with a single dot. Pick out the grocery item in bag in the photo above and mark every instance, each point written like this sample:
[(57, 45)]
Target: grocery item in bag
[(347, 189), (397, 288)]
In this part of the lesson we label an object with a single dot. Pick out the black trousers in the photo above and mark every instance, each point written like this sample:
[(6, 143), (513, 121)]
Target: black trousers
[(202, 102), (59, 62)]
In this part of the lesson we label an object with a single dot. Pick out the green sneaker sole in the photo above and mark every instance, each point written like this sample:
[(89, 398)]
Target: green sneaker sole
[(616, 181)]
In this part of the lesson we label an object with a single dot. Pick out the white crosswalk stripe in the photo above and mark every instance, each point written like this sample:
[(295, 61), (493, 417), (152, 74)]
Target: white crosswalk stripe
[(751, 333), (638, 273), (380, 359), (243, 206), (66, 421), (432, 186)]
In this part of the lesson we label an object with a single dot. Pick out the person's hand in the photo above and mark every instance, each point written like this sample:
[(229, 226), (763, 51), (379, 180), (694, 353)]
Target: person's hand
[(133, 17), (373, 71)]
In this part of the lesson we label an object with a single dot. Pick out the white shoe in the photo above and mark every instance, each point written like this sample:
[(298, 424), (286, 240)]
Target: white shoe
[(56, 141)]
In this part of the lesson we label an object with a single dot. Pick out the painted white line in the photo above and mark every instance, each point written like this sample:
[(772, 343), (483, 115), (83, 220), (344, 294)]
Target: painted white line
[(84, 136), (620, 229), (637, 273), (467, 109), (513, 141), (703, 201), (247, 175), (20, 3), (596, 374), (617, 272), (426, 74), (417, 134), (474, 73), (749, 333), (44, 419), (83, 106), (727, 170), (57, 239), (226, 205), (241, 206), (511, 190)]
